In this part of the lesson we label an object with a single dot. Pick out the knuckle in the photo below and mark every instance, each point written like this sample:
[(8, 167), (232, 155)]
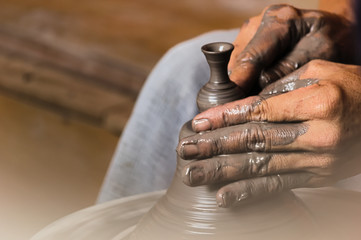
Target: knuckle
[(249, 187), (255, 138), (234, 115), (264, 109), (249, 56), (258, 164), (329, 102), (274, 184), (316, 64), (259, 111), (226, 116), (217, 170), (284, 9), (217, 147), (280, 14), (325, 164), (331, 139)]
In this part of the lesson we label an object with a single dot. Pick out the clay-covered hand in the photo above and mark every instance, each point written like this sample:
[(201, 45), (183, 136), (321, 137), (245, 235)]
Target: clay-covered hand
[(284, 38), (301, 131)]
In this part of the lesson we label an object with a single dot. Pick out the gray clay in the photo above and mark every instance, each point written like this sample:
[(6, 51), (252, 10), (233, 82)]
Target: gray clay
[(219, 89)]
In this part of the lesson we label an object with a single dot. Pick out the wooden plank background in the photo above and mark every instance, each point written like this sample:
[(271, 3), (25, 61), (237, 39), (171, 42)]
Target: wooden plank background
[(88, 58)]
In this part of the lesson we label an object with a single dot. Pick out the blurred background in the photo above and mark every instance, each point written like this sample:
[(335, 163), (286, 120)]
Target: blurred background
[(70, 72)]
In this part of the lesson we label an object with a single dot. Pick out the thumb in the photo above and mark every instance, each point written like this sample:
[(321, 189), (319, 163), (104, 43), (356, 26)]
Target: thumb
[(277, 33), (245, 35)]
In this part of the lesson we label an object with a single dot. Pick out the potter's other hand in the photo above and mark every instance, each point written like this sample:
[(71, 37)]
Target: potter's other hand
[(301, 131), (284, 38)]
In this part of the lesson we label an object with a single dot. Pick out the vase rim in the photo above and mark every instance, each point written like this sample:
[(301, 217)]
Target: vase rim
[(217, 47)]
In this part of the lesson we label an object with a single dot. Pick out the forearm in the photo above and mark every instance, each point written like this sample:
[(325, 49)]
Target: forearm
[(341, 7)]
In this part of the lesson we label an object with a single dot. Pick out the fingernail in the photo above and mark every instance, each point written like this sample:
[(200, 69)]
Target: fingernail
[(229, 72), (201, 125), (195, 176), (189, 151)]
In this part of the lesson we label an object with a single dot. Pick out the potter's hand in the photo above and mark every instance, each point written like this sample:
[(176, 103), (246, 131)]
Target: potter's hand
[(284, 38), (301, 131)]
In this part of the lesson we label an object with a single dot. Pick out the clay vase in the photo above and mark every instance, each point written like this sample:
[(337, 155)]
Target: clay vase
[(219, 89), (192, 213)]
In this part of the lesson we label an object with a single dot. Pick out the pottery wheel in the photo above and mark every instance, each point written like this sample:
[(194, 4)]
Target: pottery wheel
[(112, 220), (115, 220)]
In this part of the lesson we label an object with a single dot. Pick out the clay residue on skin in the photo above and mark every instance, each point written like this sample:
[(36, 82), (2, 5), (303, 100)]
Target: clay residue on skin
[(226, 168), (252, 108), (237, 192), (243, 113), (248, 137), (286, 85), (287, 39)]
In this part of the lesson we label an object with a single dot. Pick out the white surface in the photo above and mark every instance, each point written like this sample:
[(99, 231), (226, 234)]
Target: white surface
[(112, 220)]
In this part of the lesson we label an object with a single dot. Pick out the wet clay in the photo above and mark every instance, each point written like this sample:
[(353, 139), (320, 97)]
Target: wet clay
[(229, 168), (226, 168), (287, 85)]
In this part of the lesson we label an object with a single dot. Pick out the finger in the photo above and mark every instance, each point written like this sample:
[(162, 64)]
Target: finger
[(313, 46), (289, 100), (312, 136), (237, 192), (246, 33), (249, 137), (229, 168), (279, 31), (290, 83)]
